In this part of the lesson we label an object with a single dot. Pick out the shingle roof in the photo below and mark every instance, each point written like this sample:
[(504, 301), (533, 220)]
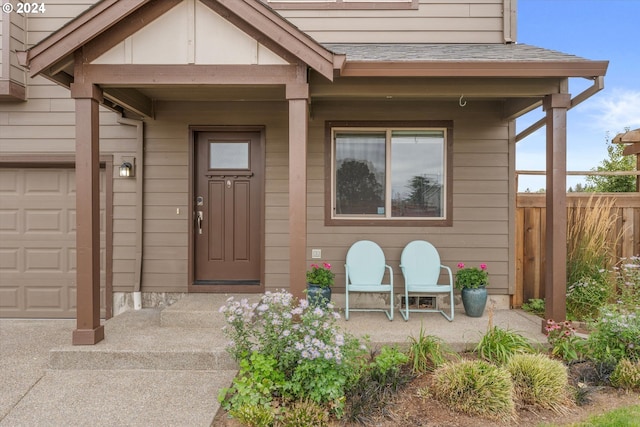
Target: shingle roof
[(381, 52)]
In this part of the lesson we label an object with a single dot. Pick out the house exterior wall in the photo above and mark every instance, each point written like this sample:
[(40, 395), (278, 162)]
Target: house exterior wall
[(45, 125), (12, 38), (482, 152), (481, 189), (422, 21), (167, 186), (481, 197)]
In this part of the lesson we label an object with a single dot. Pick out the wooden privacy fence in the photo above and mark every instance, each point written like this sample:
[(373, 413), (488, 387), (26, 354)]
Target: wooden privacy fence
[(531, 229)]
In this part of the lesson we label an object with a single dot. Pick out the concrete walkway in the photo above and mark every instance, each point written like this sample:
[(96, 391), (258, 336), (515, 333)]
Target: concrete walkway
[(165, 367)]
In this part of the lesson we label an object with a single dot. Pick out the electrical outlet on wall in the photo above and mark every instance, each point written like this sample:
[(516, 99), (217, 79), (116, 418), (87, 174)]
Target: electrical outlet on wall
[(316, 253)]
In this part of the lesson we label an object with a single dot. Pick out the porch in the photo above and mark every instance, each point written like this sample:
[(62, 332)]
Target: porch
[(165, 366)]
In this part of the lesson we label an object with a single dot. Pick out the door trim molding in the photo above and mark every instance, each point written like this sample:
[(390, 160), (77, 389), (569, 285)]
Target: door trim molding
[(192, 286)]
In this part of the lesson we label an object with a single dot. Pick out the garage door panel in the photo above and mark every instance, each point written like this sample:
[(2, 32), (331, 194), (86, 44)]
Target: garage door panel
[(43, 221), (46, 181), (37, 243), (8, 182), (44, 260), (9, 221), (9, 260), (9, 298), (50, 298)]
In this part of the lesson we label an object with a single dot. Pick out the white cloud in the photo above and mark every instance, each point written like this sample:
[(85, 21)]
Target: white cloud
[(614, 111)]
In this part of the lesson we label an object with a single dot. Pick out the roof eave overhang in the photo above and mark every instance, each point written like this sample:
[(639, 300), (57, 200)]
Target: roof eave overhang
[(56, 51), (490, 69), (59, 47)]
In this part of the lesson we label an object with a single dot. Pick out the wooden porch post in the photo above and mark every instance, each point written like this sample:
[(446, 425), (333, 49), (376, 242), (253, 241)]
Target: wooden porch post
[(555, 106), (298, 96), (88, 98)]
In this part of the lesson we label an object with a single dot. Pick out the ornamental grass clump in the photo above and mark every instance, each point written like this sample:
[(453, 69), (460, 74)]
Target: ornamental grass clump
[(288, 350), (498, 345), (626, 375), (591, 239), (304, 413), (428, 352), (540, 381), (475, 387)]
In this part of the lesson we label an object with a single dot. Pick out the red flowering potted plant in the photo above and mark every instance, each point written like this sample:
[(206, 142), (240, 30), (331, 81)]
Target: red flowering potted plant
[(472, 282)]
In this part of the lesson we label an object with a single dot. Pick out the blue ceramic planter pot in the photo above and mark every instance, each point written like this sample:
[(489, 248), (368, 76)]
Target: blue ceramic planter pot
[(317, 295), (474, 301)]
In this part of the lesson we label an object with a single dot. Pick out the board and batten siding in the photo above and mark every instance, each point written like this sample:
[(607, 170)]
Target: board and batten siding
[(482, 205), (434, 21)]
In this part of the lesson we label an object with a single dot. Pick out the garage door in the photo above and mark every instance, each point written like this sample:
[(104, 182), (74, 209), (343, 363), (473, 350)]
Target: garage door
[(37, 242)]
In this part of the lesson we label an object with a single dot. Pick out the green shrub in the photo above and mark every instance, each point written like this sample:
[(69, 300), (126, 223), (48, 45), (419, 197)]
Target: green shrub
[(588, 295), (539, 381), (288, 349), (626, 375), (475, 387), (615, 336), (563, 340), (497, 345), (256, 382), (304, 413), (534, 306), (253, 415), (428, 352), (386, 368)]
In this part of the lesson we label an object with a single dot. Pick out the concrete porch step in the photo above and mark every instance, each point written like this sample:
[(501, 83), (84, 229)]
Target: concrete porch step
[(187, 335), (199, 311)]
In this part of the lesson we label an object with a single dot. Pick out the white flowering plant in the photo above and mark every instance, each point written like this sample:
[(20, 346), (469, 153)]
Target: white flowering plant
[(627, 274), (288, 349), (615, 336)]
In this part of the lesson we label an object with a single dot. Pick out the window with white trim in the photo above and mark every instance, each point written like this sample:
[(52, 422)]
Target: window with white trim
[(390, 174)]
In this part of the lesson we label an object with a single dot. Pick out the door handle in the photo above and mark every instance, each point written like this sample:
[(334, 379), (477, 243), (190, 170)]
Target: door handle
[(199, 218)]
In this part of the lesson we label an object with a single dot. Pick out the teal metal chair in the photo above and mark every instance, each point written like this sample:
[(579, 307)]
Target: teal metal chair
[(421, 268), (365, 267)]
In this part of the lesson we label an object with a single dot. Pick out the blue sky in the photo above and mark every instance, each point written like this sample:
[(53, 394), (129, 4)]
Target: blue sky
[(593, 29)]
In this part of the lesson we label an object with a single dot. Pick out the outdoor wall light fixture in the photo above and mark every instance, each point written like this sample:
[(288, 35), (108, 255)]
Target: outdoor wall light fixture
[(127, 169)]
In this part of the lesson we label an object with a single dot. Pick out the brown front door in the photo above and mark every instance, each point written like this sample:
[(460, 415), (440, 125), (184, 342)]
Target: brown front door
[(228, 210)]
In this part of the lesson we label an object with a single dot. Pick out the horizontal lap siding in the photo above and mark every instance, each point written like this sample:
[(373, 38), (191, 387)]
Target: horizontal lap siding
[(167, 187), (481, 213), (46, 124), (463, 21)]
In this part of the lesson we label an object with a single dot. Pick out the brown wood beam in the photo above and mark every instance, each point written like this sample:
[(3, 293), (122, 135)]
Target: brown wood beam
[(87, 98), (298, 123), (556, 106), (130, 99), (148, 74)]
